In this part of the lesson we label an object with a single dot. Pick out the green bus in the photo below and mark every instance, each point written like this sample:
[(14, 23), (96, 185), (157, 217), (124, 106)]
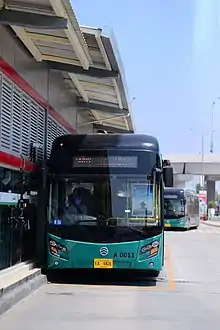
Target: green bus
[(105, 205), (181, 208)]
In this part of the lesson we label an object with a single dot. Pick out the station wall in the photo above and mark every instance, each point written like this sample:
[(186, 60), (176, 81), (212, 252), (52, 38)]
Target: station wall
[(23, 103), (23, 100)]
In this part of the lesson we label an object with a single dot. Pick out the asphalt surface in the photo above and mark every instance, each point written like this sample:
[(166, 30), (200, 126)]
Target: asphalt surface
[(186, 296)]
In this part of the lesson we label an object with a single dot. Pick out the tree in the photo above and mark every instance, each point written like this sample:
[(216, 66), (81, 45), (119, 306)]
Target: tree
[(198, 187), (211, 204)]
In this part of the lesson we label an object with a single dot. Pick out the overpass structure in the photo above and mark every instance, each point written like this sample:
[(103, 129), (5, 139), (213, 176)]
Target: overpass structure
[(187, 166)]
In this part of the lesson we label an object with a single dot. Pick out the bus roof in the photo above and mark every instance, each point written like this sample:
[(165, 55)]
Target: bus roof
[(107, 141), (174, 190)]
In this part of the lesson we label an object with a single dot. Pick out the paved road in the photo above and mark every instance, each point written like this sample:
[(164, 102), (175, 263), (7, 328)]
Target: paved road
[(188, 298), (215, 223)]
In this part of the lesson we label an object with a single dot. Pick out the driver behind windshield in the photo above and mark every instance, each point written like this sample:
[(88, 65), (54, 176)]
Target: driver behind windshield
[(80, 200)]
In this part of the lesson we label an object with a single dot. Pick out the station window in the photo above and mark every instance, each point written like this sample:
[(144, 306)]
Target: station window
[(12, 250), (9, 181)]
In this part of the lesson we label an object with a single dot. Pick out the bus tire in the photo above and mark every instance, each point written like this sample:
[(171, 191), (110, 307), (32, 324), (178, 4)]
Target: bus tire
[(154, 273)]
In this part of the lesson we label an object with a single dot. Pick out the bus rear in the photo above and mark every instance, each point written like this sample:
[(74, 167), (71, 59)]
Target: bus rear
[(105, 203)]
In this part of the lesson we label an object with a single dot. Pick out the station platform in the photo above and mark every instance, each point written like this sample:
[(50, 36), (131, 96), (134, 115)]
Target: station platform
[(18, 282)]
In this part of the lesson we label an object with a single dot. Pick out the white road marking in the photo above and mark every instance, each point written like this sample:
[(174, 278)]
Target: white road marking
[(205, 231)]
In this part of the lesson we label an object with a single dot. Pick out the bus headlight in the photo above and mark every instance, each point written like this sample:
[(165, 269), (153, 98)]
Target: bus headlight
[(150, 249), (55, 248)]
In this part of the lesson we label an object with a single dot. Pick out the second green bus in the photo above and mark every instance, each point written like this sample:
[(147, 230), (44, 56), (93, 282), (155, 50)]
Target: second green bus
[(181, 208)]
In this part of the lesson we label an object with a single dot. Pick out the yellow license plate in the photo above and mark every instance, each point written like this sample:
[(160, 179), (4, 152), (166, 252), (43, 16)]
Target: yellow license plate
[(103, 263), (167, 224)]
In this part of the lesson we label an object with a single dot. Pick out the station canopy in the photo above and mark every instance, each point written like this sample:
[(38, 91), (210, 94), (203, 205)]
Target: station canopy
[(86, 57)]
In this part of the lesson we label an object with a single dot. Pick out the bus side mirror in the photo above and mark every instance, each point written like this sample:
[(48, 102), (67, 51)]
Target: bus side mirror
[(168, 176)]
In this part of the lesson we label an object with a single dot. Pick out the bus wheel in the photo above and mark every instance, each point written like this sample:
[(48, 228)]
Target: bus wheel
[(188, 226), (154, 273)]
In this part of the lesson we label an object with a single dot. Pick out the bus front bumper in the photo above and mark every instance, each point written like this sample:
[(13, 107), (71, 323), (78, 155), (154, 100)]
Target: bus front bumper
[(140, 255), (176, 223)]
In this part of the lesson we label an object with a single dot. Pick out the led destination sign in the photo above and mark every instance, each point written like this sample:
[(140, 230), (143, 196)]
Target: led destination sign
[(105, 161)]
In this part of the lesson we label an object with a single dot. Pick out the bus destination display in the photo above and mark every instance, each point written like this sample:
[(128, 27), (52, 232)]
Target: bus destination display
[(171, 196), (106, 161)]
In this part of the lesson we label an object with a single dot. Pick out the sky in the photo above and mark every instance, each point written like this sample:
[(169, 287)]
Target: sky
[(170, 51)]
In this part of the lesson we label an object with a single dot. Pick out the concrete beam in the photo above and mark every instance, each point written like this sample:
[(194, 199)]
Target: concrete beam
[(212, 177), (179, 184), (210, 186), (101, 107), (92, 72), (31, 20), (192, 158), (110, 129), (183, 177)]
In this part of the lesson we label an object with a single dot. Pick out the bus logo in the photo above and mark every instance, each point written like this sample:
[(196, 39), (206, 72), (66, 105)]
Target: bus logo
[(104, 251)]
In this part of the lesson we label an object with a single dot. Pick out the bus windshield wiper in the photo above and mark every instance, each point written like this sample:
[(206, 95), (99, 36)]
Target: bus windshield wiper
[(141, 232), (124, 229)]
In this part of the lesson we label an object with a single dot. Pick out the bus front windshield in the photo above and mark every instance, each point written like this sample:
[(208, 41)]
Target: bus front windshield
[(173, 207), (105, 202)]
